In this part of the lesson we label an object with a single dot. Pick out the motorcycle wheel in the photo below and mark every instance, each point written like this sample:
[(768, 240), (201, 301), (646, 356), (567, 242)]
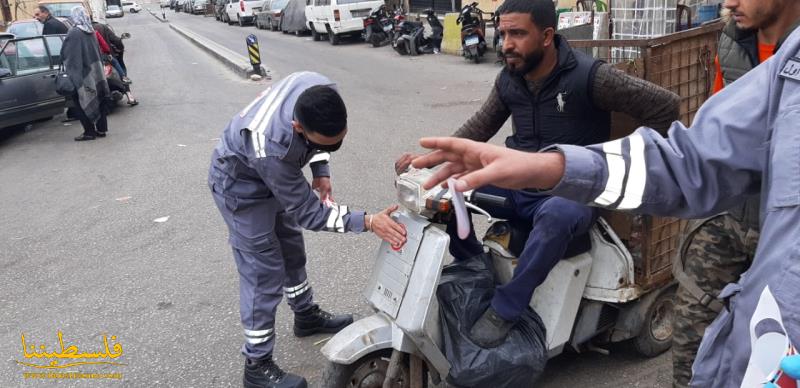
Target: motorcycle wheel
[(368, 372), (656, 334), (376, 40), (476, 59)]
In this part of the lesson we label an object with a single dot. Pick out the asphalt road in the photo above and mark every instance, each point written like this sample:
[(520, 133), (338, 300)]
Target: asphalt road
[(80, 251)]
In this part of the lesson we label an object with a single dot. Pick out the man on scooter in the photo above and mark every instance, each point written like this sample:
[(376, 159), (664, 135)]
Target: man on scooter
[(743, 141), (554, 94), (258, 185)]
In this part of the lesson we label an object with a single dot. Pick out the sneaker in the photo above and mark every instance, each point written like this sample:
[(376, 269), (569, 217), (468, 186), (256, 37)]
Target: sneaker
[(266, 373), (126, 81), (315, 320)]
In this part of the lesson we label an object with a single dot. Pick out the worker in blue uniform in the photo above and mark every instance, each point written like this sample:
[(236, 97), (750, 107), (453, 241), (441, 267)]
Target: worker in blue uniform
[(258, 185)]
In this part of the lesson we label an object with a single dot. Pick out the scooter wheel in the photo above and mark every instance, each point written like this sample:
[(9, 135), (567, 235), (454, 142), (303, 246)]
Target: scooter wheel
[(368, 372), (655, 336)]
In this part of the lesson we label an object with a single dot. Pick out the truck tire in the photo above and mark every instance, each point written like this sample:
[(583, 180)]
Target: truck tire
[(333, 38), (315, 35), (368, 372), (656, 334)]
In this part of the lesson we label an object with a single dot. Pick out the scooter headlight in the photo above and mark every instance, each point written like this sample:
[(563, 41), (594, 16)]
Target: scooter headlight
[(408, 194)]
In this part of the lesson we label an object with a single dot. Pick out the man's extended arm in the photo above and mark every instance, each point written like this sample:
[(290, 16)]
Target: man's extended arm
[(649, 104), (487, 121)]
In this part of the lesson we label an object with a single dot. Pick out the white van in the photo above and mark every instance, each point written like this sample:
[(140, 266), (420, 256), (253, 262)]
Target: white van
[(337, 18), (242, 11)]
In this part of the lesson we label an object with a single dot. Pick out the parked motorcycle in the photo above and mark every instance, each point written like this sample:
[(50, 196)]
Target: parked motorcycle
[(594, 293), (498, 40), (411, 38), (473, 31), (378, 28), (115, 85)]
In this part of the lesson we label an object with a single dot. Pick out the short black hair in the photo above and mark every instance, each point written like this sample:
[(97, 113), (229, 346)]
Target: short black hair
[(43, 9), (543, 12), (320, 109)]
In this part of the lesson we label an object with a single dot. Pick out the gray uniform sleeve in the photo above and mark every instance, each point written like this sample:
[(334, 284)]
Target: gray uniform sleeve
[(651, 105), (319, 164), (291, 189), (697, 172)]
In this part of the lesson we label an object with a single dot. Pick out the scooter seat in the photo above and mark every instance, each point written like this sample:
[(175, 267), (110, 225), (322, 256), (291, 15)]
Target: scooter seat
[(513, 237)]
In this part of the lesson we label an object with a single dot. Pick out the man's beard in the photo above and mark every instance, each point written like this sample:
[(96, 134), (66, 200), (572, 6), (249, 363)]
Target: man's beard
[(529, 62)]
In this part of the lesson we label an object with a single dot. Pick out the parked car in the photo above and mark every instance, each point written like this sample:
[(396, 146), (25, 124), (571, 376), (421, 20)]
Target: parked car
[(131, 6), (243, 11), (187, 6), (272, 14), (165, 3), (199, 7), (5, 37), (338, 18), (293, 18), (114, 11), (25, 28), (63, 8), (27, 86)]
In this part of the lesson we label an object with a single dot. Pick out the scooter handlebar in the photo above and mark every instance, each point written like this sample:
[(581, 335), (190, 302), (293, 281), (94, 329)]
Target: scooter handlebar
[(484, 200)]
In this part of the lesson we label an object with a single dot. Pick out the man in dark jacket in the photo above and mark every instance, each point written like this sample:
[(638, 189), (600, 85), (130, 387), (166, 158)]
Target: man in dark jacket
[(52, 26), (553, 94)]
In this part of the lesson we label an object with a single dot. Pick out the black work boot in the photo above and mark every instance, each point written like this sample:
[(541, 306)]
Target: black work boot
[(315, 320), (490, 329), (266, 374)]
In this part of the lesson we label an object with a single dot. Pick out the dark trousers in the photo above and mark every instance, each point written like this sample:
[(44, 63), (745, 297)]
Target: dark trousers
[(89, 128), (556, 221), (121, 62), (270, 255)]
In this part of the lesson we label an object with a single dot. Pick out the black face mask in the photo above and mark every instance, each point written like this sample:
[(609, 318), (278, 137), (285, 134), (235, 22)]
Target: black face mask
[(323, 147)]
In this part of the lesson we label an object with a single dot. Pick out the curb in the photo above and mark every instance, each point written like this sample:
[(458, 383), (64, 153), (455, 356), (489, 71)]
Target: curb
[(156, 16), (234, 61)]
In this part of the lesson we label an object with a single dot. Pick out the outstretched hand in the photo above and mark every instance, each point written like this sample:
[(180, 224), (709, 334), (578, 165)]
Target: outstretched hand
[(477, 164)]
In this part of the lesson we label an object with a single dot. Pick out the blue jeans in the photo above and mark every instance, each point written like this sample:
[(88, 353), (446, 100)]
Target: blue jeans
[(556, 221), (118, 67)]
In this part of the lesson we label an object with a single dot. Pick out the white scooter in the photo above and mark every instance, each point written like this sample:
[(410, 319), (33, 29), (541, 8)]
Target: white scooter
[(586, 296)]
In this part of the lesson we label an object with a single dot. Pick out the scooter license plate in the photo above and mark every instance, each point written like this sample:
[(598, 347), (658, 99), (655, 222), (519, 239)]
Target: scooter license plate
[(471, 40), (387, 28)]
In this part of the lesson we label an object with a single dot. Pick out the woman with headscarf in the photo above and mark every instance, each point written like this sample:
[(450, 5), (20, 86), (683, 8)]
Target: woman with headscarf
[(81, 56)]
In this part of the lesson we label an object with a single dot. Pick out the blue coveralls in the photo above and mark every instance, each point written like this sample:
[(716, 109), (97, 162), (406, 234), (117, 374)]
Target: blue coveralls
[(258, 185), (744, 140)]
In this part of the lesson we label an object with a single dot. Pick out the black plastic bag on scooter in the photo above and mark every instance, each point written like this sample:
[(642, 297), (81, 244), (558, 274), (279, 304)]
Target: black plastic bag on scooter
[(465, 292)]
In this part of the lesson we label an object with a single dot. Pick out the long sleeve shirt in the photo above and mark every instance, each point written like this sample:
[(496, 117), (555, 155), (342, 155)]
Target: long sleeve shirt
[(612, 90)]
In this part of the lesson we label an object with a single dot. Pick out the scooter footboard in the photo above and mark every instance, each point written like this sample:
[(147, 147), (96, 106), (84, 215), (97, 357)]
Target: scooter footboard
[(359, 339)]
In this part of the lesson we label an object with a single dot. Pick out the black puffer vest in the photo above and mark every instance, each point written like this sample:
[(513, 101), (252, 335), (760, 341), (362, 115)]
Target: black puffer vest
[(562, 111)]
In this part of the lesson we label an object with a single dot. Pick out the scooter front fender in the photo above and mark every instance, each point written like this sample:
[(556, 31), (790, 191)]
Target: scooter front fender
[(363, 337)]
